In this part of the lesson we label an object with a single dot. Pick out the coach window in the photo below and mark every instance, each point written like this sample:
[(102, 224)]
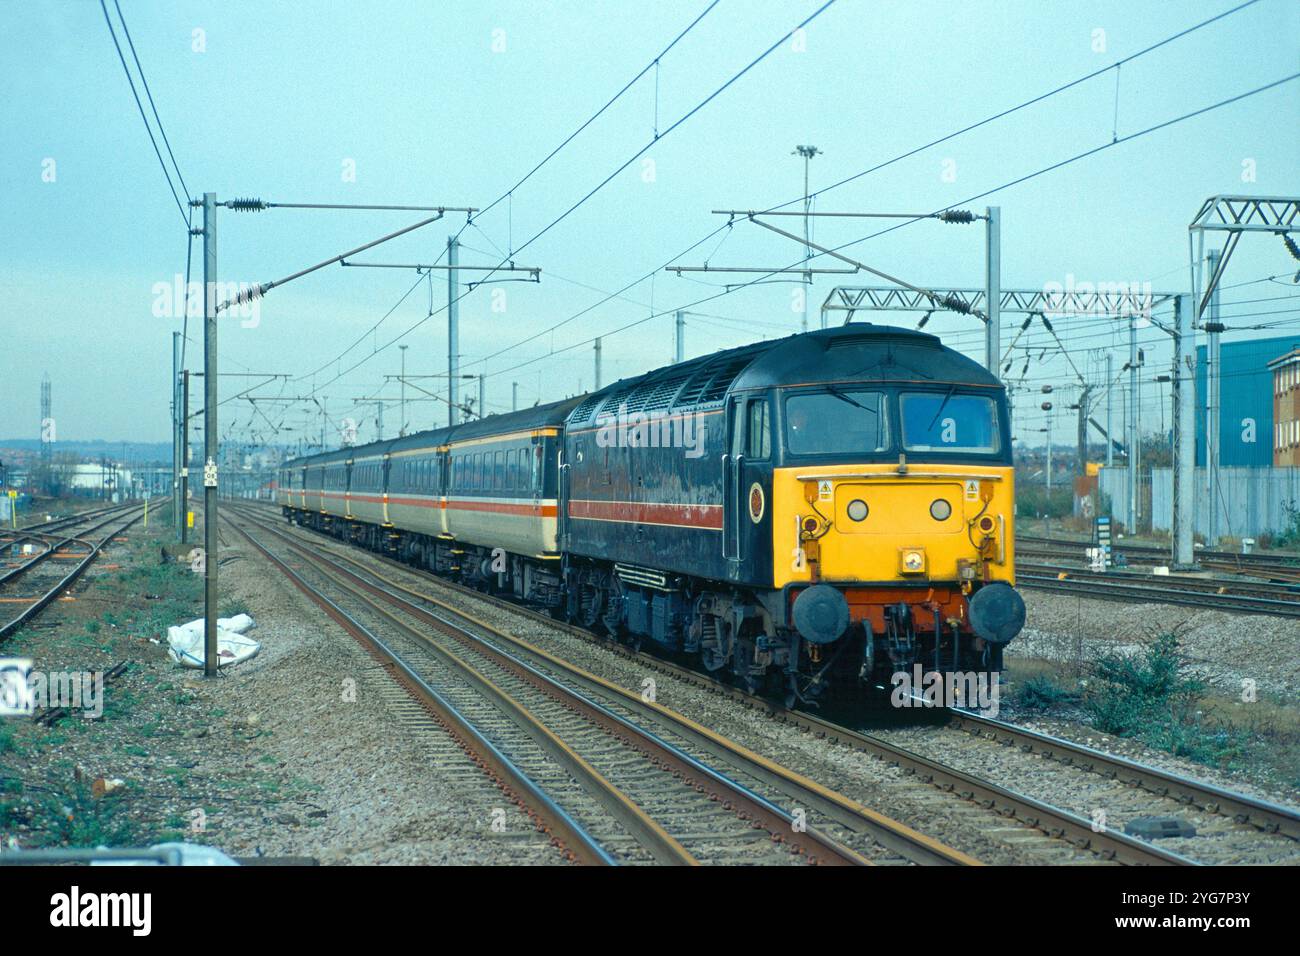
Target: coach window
[(758, 433)]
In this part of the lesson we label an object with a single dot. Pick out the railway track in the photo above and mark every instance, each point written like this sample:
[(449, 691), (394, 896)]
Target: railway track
[(677, 791), (13, 536), (1216, 593), (1254, 564), (41, 574), (1007, 806), (1262, 815)]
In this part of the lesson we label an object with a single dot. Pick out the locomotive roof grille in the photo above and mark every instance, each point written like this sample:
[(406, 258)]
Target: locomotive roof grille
[(652, 396), (585, 410), (710, 383)]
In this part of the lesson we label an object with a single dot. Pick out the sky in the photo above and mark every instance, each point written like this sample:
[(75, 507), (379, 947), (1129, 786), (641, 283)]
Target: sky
[(452, 103)]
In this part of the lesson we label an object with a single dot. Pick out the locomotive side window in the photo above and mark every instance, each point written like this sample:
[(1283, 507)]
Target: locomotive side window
[(836, 422), (758, 435), (942, 421)]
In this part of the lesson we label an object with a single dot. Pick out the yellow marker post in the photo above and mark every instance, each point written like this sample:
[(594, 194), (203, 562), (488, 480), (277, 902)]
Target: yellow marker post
[(13, 508), (189, 519), (146, 512)]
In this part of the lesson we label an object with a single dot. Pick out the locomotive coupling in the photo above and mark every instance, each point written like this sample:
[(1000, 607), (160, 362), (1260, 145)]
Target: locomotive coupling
[(997, 612)]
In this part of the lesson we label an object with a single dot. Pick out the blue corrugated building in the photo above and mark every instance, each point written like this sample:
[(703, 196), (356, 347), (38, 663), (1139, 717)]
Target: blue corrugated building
[(1246, 396)]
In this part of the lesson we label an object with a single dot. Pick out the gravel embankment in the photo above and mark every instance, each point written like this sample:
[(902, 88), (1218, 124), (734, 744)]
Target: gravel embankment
[(1223, 648), (878, 785), (300, 752)]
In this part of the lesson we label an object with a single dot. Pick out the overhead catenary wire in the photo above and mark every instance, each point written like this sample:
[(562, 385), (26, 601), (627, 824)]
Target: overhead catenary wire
[(508, 195), (747, 284), (1014, 182), (879, 166), (682, 119), (144, 81), (180, 206)]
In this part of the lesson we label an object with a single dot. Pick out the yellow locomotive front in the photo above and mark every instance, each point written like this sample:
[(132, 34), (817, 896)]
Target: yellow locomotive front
[(894, 503)]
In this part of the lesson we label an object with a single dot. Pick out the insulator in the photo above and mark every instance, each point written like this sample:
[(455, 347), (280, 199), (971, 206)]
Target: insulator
[(1291, 246), (1006, 368), (957, 215), (246, 205), (924, 319), (951, 301), (1048, 324), (1214, 327), (1025, 324), (249, 294)]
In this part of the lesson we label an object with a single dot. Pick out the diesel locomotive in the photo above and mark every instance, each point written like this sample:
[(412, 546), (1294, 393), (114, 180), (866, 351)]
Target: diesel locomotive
[(820, 511)]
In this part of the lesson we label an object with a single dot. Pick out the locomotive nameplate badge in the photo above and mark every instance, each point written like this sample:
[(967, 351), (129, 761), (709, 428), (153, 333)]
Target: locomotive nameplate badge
[(757, 503), (972, 490), (824, 489)]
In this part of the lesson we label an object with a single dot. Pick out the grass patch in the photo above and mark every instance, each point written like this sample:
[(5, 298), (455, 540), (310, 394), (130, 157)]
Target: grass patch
[(1149, 696), (75, 818), (1042, 693), (232, 607), (8, 745)]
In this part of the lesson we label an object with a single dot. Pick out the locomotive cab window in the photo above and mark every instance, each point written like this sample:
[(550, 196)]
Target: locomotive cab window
[(838, 421), (758, 435), (944, 421)]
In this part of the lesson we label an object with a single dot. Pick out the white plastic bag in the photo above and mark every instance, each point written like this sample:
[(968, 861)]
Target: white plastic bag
[(185, 642)]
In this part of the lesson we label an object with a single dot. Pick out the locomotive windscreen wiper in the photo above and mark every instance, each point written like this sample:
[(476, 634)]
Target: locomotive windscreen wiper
[(942, 405), (844, 398)]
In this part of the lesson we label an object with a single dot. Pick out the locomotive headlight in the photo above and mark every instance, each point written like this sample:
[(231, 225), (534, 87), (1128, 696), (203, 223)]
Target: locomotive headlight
[(940, 510), (857, 509), (913, 560)]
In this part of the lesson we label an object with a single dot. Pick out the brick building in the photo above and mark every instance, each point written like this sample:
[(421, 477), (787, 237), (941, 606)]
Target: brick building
[(1286, 409)]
